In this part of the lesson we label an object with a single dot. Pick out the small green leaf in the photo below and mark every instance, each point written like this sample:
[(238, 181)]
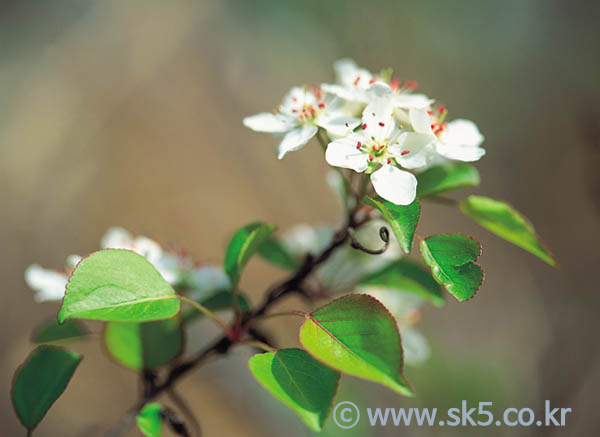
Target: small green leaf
[(39, 382), (402, 219), (408, 276), (150, 420), (273, 251), (221, 300), (503, 220), (245, 242), (144, 345), (356, 335), (452, 261), (118, 285), (447, 177), (299, 381), (51, 331)]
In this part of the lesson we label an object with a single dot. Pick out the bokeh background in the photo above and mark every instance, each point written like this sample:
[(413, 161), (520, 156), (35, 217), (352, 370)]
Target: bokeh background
[(129, 113)]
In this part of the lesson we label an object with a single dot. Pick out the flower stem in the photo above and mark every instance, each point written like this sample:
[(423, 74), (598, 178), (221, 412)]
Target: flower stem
[(208, 313)]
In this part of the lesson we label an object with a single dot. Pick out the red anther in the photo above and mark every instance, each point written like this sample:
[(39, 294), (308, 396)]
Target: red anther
[(294, 110), (358, 145), (371, 158), (318, 93), (414, 84), (433, 126), (381, 123), (372, 81), (295, 99), (389, 161), (346, 124), (406, 84), (430, 112), (442, 109), (405, 152), (364, 126), (376, 148), (312, 110), (395, 83), (321, 105), (356, 80)]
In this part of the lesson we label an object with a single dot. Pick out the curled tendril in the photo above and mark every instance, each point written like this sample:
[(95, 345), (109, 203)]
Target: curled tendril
[(384, 234)]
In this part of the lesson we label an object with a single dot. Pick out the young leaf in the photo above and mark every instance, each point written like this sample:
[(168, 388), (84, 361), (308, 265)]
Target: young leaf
[(144, 345), (408, 276), (503, 220), (452, 261), (273, 251), (245, 242), (447, 177), (356, 335), (40, 380), (299, 381), (117, 285), (150, 420), (221, 300), (402, 219), (51, 331)]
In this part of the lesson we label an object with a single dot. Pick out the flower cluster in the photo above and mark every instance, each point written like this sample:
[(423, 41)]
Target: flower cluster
[(175, 266), (376, 125)]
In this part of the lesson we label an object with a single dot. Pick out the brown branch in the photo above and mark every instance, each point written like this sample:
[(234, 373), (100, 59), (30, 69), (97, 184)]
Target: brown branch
[(222, 345)]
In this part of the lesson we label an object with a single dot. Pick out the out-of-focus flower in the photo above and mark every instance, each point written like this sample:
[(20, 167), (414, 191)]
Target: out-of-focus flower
[(176, 268), (458, 140), (375, 149), (300, 115), (355, 85)]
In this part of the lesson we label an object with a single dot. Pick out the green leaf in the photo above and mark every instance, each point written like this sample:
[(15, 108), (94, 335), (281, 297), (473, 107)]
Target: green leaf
[(51, 331), (40, 380), (356, 335), (299, 381), (221, 300), (144, 345), (402, 219), (118, 285), (503, 220), (150, 419), (452, 261), (408, 276), (447, 177), (273, 251), (245, 242)]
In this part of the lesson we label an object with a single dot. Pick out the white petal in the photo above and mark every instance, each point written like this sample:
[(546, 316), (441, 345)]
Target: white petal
[(395, 185), (379, 120), (343, 153), (420, 120), (419, 101), (206, 280), (49, 284), (296, 139), (461, 153), (462, 132), (116, 238), (351, 94), (338, 124), (350, 75), (72, 261), (420, 148), (380, 90), (148, 248), (267, 122)]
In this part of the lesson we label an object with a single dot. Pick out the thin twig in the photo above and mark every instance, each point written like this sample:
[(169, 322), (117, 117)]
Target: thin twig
[(185, 409)]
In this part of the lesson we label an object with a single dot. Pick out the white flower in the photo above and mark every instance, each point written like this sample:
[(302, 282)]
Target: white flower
[(206, 280), (374, 148), (458, 140), (170, 265), (48, 284), (300, 115), (355, 84)]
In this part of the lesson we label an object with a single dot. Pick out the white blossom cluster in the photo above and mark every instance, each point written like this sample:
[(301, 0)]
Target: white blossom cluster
[(375, 124), (176, 267)]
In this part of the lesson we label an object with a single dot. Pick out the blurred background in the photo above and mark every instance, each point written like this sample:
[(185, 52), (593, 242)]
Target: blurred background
[(130, 113)]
